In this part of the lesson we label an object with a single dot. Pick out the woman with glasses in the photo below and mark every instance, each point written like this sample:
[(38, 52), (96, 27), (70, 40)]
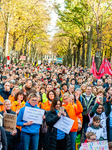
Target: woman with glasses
[(56, 139), (30, 130), (73, 113)]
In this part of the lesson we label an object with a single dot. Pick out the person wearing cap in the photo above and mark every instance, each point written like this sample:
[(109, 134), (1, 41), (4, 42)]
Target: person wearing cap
[(64, 90)]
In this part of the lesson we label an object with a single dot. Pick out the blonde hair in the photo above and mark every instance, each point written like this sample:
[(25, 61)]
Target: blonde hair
[(65, 95), (32, 95), (89, 134), (16, 87)]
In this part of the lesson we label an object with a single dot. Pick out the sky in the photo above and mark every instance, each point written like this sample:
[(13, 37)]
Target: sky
[(52, 28)]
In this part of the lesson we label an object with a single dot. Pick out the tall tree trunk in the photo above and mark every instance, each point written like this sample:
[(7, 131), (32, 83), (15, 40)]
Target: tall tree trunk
[(89, 48), (88, 40), (74, 50), (78, 53), (6, 44), (13, 47), (69, 56), (83, 51)]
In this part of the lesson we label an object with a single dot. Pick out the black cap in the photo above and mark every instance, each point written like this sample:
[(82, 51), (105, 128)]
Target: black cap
[(64, 84)]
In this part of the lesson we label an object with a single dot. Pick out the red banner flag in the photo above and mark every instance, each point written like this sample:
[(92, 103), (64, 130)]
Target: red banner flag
[(108, 69), (105, 68), (93, 68)]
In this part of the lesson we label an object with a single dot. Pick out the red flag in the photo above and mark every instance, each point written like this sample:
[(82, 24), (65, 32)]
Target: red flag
[(93, 68), (108, 69), (100, 73), (8, 57)]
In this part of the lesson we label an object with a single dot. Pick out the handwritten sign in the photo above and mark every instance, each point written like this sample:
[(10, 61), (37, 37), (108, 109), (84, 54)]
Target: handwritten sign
[(33, 114), (10, 122), (64, 124), (99, 145)]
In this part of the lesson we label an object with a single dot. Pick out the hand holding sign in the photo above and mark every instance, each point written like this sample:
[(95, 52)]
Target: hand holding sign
[(28, 123), (33, 115), (59, 114)]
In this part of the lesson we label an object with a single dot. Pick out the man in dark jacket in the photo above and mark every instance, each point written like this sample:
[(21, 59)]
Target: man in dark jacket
[(3, 138), (5, 93), (87, 99), (3, 80)]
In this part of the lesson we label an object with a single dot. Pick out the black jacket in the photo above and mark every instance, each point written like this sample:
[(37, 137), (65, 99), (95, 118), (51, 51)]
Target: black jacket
[(11, 140), (87, 104), (51, 136), (5, 94), (3, 138)]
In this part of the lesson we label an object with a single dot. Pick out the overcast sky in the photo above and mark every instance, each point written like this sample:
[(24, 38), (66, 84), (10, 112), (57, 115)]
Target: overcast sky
[(52, 28)]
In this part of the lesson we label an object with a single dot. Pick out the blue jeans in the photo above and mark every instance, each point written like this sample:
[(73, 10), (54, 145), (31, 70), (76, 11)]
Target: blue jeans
[(110, 134), (73, 136), (27, 139)]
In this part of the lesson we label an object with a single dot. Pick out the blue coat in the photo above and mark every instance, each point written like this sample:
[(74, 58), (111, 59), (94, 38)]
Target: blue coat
[(34, 128)]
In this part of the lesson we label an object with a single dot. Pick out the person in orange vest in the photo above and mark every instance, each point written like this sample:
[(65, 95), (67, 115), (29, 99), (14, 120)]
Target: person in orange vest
[(73, 113), (47, 105), (18, 103), (16, 106), (13, 93), (1, 101)]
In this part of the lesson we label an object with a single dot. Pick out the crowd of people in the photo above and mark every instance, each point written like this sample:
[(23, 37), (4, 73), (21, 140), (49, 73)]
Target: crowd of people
[(84, 99)]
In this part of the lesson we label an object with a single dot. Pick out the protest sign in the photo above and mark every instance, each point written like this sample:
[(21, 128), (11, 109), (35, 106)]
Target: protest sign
[(22, 57), (64, 124), (99, 145), (33, 114), (10, 122), (39, 62)]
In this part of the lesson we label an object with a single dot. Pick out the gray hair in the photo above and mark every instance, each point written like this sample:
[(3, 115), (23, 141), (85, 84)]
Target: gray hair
[(100, 80), (78, 89), (7, 100)]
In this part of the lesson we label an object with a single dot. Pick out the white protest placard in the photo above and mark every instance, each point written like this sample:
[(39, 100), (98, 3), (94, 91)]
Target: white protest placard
[(39, 62), (99, 145), (33, 114), (9, 122), (64, 124)]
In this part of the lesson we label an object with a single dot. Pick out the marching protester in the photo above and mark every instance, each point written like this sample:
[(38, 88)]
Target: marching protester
[(85, 99)]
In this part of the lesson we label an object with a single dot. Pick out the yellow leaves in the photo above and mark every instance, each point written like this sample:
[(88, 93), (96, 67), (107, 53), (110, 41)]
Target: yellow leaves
[(27, 18)]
